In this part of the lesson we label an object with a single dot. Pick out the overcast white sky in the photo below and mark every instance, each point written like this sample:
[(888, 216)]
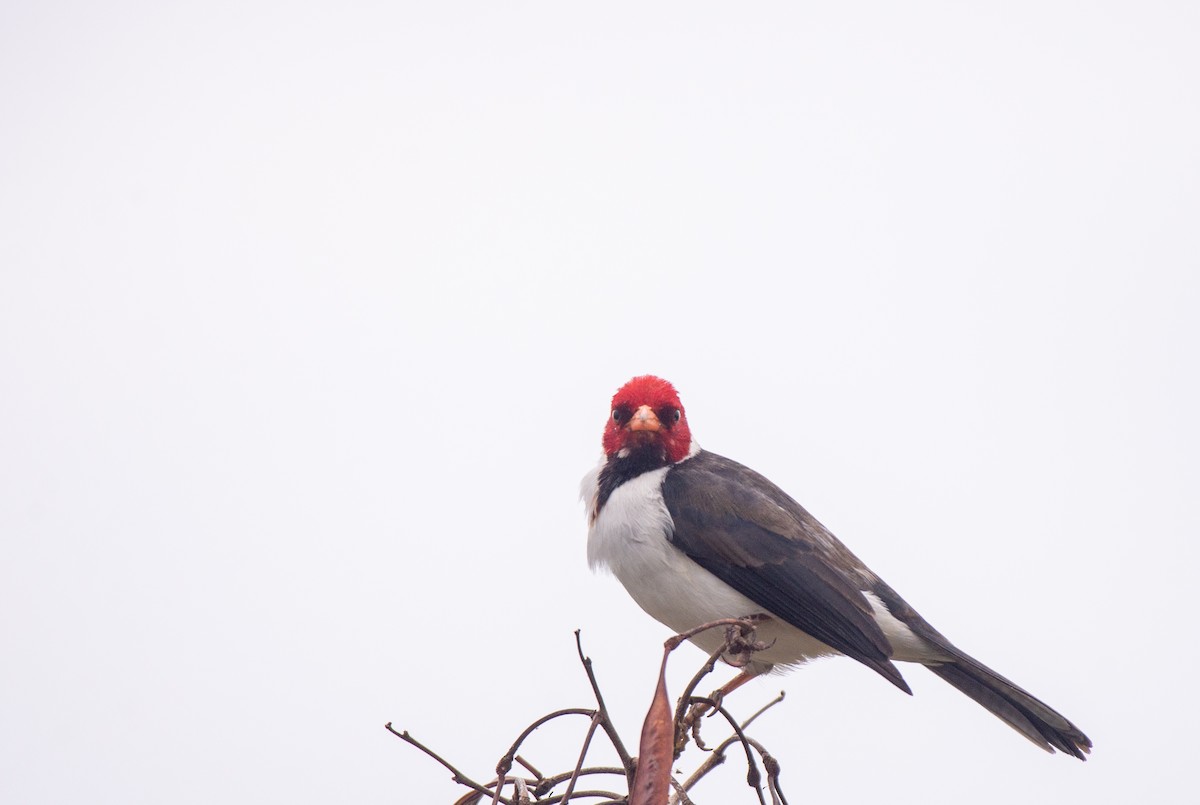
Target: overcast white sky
[(310, 315)]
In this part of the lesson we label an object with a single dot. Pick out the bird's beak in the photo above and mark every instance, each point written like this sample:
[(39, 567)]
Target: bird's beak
[(644, 419)]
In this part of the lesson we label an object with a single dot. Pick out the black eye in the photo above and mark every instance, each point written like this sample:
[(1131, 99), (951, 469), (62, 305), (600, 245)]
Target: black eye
[(678, 414), (616, 415)]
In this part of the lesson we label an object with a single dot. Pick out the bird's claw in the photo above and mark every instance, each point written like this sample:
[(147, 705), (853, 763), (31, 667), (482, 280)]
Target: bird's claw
[(740, 643)]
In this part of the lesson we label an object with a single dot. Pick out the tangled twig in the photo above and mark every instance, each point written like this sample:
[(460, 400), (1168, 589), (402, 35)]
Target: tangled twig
[(664, 739)]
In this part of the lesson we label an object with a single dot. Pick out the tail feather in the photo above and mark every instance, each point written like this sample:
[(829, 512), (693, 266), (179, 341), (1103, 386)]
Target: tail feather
[(1021, 710), (1028, 715)]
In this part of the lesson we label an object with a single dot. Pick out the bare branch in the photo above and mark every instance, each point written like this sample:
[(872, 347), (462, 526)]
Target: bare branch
[(459, 777), (764, 709), (753, 776), (506, 761), (658, 753), (746, 624), (522, 791), (681, 729), (739, 641), (715, 758), (529, 767), (773, 769), (548, 783), (680, 796), (587, 740), (610, 796), (606, 721), (470, 798)]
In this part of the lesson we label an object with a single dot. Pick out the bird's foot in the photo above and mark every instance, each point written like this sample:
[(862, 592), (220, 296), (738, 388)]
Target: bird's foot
[(741, 644), (691, 727)]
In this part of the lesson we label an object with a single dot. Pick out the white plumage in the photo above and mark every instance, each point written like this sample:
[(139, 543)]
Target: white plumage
[(630, 539)]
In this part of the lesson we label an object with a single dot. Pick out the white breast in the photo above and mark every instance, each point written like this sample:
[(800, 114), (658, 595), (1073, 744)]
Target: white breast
[(631, 538)]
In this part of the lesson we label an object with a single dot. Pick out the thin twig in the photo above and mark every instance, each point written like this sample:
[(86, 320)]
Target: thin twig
[(587, 740), (612, 796), (547, 783), (739, 645), (764, 709), (704, 671), (746, 622), (469, 798), (745, 627), (753, 776), (501, 778), (716, 758), (529, 767), (773, 769), (459, 777), (680, 797), (606, 721), (505, 763)]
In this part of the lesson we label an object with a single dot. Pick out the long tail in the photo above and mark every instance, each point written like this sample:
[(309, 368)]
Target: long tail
[(1019, 709), (1024, 712)]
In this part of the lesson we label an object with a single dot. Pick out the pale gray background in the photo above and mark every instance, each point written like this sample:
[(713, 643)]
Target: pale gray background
[(310, 314)]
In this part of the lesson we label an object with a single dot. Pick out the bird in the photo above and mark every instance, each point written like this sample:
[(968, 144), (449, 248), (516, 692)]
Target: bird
[(696, 537)]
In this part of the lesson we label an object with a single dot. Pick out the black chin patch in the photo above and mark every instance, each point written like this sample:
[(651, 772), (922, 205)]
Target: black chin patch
[(619, 469)]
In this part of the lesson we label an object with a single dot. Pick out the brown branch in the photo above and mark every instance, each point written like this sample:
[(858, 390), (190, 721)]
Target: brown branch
[(764, 709), (773, 769), (745, 628), (753, 776), (681, 726), (746, 623), (738, 632), (717, 757), (459, 777), (737, 649), (547, 783), (529, 767), (606, 721), (587, 740), (501, 778), (681, 797), (506, 761), (612, 796)]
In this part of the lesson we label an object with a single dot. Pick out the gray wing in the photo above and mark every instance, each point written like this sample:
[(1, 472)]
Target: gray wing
[(751, 535)]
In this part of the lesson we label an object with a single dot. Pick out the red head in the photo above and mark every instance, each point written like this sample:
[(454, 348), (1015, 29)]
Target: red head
[(646, 414)]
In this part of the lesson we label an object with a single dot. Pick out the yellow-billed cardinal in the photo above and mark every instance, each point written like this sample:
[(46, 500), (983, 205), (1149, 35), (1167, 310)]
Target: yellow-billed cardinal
[(695, 537)]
